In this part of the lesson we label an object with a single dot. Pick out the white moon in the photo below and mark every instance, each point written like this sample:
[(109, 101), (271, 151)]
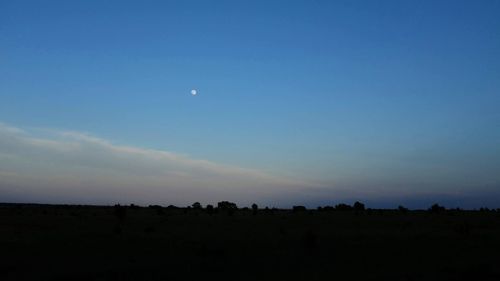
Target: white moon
[(194, 92)]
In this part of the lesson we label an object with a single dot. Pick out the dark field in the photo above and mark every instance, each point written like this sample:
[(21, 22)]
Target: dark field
[(41, 242)]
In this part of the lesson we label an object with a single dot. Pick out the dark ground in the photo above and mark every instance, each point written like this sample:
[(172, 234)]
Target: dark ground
[(42, 242)]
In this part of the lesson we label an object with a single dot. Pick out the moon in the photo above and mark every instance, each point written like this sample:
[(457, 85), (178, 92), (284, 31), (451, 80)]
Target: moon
[(194, 92)]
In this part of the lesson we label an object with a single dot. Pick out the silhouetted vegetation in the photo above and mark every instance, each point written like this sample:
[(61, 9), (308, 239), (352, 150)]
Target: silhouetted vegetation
[(210, 209), (255, 208), (227, 206), (297, 209), (136, 243), (343, 207), (358, 206), (328, 208), (158, 209), (402, 209), (435, 208)]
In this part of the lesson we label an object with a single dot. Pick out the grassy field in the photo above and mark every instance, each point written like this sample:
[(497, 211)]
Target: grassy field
[(42, 242)]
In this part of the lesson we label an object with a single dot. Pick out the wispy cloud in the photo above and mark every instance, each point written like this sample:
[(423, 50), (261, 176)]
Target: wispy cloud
[(53, 166), (63, 166)]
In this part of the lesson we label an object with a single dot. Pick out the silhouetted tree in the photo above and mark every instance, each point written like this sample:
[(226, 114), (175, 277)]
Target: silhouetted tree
[(197, 205), (343, 207), (358, 206), (227, 206), (210, 209), (435, 208), (255, 208), (157, 208), (402, 209), (296, 209), (328, 208)]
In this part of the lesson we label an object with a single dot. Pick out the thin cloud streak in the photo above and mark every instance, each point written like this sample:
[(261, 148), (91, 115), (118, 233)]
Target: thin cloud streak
[(77, 167)]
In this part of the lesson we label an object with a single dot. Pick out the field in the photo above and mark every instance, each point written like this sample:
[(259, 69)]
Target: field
[(59, 242)]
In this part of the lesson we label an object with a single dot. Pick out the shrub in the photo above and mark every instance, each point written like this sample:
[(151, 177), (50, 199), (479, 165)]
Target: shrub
[(157, 208), (226, 205), (435, 208), (210, 209), (296, 209), (358, 206), (255, 209), (343, 207)]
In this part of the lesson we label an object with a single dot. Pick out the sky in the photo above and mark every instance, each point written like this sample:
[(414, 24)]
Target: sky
[(298, 102)]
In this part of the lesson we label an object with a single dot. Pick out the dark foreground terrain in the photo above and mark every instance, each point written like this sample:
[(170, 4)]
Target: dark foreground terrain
[(49, 242)]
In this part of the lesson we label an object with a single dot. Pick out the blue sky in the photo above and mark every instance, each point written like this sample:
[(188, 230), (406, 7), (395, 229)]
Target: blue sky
[(376, 100)]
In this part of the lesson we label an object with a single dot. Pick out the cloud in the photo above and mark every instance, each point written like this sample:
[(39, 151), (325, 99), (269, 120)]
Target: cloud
[(52, 166), (74, 167)]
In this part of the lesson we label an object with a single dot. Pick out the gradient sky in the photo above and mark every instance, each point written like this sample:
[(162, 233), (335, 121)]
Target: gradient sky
[(299, 102)]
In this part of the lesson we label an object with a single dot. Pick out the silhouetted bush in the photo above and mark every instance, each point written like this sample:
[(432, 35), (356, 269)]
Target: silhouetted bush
[(435, 208), (402, 209), (226, 205), (343, 207), (358, 206), (197, 205), (297, 209), (328, 208), (255, 208), (210, 209), (157, 208)]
